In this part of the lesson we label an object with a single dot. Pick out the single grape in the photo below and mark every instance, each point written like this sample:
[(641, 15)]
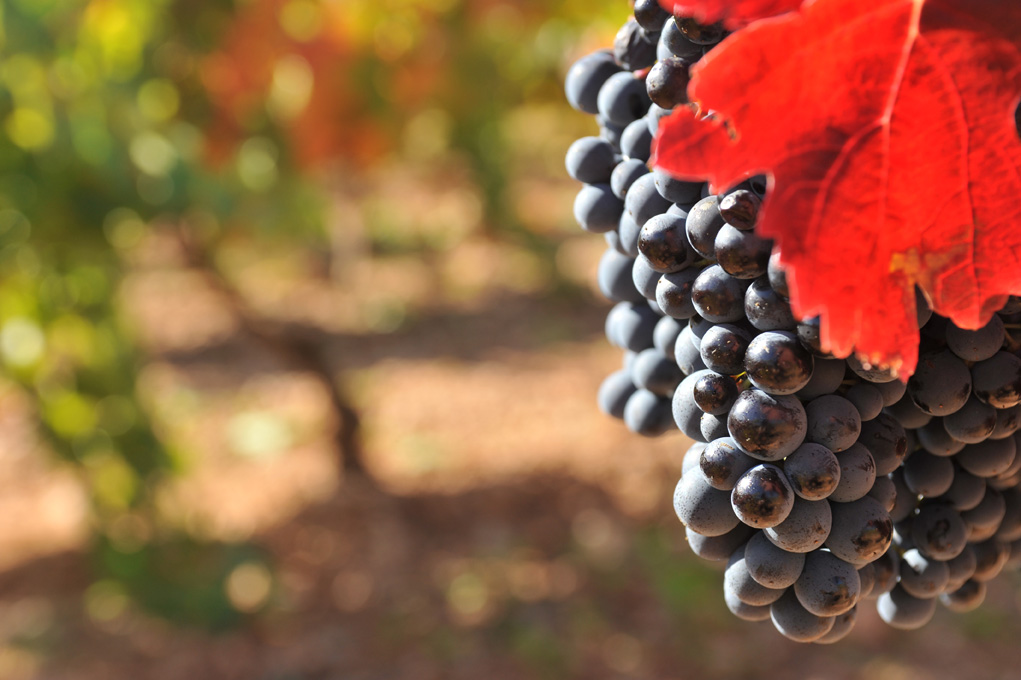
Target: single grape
[(650, 15), (771, 565), (740, 209), (762, 496), (718, 297), (765, 426), (723, 464), (777, 363), (861, 531), (712, 427), (678, 44), (614, 393), (922, 577), (644, 277), (630, 326), (656, 372), (614, 277), (715, 393), (742, 254), (939, 532), (591, 160), (667, 82), (904, 501), (972, 423), (884, 491), (632, 50), (828, 586), (827, 377), (886, 440), (701, 34), (867, 576), (642, 201), (636, 142), (596, 209), (1008, 420), (886, 569), (702, 508), (664, 335), (935, 439), (703, 224), (663, 241), (625, 174), (586, 77), (813, 471), (767, 311), (833, 421), (723, 349), (903, 611), (777, 277), (892, 391), (686, 354), (745, 612), (857, 473), (673, 293), (622, 99), (963, 566), (966, 491), (806, 528), (795, 622), (990, 558), (977, 345), (941, 384), (842, 626), (988, 458), (909, 415), (648, 414), (866, 398), (928, 475)]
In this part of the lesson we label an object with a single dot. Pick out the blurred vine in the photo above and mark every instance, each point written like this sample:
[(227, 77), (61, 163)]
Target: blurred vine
[(219, 119)]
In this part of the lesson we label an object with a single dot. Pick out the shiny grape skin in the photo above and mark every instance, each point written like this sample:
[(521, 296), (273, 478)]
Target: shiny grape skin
[(862, 531), (703, 223), (632, 48), (667, 82), (740, 209), (901, 610), (941, 384), (701, 34), (777, 363), (828, 586), (833, 421), (664, 242), (715, 393), (762, 496), (723, 464), (813, 471), (742, 254), (777, 277), (650, 15), (766, 309), (723, 349), (718, 297), (586, 77), (765, 426), (997, 380)]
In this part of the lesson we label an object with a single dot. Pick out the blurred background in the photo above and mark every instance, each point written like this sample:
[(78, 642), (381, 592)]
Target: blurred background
[(300, 348)]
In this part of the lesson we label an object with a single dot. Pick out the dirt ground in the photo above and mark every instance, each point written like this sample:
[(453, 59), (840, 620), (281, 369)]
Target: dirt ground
[(514, 532)]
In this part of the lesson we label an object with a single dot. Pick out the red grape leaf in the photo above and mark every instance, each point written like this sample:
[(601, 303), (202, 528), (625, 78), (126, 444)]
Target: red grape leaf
[(887, 128), (734, 13)]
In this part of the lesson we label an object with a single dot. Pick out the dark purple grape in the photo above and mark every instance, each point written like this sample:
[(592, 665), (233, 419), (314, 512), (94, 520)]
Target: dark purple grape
[(723, 349), (777, 363), (700, 34), (663, 241), (766, 426), (966, 598), (866, 398), (941, 384), (636, 141), (765, 309), (903, 611), (678, 44), (813, 471), (977, 345), (762, 497), (997, 380), (862, 531), (616, 389), (833, 421), (624, 175), (622, 99), (715, 393), (777, 277), (667, 82), (586, 77), (886, 440), (718, 297), (741, 253), (972, 423), (703, 224), (632, 49), (795, 622), (673, 293), (677, 191), (650, 15), (723, 464), (740, 209), (939, 532)]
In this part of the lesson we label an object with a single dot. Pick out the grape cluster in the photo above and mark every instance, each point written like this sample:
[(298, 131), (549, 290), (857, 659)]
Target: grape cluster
[(819, 481)]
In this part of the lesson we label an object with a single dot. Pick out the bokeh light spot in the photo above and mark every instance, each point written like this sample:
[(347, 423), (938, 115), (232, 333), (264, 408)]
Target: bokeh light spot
[(249, 586)]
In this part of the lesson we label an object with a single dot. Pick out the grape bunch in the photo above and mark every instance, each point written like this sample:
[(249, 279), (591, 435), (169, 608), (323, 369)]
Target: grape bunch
[(820, 481)]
